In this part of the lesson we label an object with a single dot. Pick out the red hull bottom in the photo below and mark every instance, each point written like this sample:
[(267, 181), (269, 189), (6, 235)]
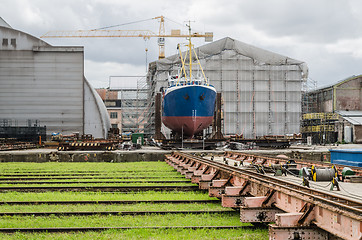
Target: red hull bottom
[(189, 125)]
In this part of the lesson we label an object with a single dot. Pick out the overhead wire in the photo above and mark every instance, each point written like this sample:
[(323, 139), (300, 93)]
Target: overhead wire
[(123, 24)]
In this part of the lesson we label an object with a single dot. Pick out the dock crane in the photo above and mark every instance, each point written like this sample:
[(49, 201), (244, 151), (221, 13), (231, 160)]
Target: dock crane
[(145, 34)]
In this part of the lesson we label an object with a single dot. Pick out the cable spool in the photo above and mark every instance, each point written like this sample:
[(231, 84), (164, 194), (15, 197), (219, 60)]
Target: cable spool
[(304, 172), (323, 174)]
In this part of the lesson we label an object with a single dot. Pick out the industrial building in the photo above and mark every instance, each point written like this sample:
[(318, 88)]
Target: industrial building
[(126, 105), (335, 112), (46, 84), (261, 90)]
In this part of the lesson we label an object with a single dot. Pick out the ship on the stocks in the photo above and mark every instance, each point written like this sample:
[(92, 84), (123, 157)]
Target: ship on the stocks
[(189, 101)]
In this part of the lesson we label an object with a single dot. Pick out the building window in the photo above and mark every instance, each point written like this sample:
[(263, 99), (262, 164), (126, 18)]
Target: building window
[(114, 115), (13, 42), (5, 41), (114, 125)]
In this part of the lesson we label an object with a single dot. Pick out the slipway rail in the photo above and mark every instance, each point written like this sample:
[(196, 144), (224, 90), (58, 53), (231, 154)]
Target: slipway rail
[(115, 177), (108, 202), (275, 160), (88, 182), (84, 229), (297, 211), (120, 213), (99, 188)]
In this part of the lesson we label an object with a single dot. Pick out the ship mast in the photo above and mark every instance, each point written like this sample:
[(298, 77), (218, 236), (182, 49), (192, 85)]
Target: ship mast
[(190, 50)]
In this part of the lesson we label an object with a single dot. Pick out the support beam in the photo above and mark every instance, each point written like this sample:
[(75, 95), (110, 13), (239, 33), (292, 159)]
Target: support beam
[(258, 214), (158, 123), (206, 179), (217, 187), (283, 233), (234, 196)]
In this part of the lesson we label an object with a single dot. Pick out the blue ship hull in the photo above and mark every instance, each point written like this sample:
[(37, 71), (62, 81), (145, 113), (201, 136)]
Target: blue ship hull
[(189, 109)]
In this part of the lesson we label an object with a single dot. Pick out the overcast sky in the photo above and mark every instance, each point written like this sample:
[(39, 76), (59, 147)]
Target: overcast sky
[(326, 34)]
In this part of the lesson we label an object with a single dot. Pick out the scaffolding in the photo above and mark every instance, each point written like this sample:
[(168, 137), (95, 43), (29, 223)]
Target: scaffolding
[(261, 90), (308, 102)]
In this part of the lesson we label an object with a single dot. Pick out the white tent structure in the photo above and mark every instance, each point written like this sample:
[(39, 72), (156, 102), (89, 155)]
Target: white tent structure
[(46, 83), (261, 90)]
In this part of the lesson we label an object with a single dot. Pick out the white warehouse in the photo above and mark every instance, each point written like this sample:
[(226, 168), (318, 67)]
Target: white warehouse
[(261, 90), (46, 83)]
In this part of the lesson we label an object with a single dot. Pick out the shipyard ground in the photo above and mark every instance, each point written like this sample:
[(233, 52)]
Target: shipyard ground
[(155, 154), (351, 192)]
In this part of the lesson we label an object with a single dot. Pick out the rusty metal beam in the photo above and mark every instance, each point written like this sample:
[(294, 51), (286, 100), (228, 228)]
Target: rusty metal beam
[(336, 215), (274, 160)]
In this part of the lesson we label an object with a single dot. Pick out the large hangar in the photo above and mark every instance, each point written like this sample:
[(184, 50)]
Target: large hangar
[(46, 83), (261, 90)]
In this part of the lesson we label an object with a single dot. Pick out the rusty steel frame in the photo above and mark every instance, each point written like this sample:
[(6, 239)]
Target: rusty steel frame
[(305, 208), (265, 160)]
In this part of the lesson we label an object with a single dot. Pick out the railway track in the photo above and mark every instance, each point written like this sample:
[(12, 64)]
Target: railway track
[(23, 217), (86, 229), (108, 202), (115, 177), (123, 189), (88, 182), (120, 213), (301, 163), (279, 184), (289, 196)]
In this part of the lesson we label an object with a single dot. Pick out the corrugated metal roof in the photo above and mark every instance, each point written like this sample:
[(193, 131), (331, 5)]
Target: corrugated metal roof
[(3, 23), (331, 85), (354, 120), (260, 56), (344, 113)]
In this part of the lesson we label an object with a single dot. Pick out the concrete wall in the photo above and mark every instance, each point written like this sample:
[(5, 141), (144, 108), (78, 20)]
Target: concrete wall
[(56, 156), (344, 95), (349, 94), (357, 133)]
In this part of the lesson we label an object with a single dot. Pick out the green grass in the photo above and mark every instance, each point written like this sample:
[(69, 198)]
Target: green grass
[(98, 196), (113, 207), (224, 219), (169, 234), (49, 181), (49, 167), (103, 176), (115, 170), (98, 184)]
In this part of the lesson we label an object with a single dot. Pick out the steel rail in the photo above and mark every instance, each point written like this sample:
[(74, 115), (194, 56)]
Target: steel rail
[(84, 229), (108, 202), (120, 213), (89, 182), (90, 171), (353, 208), (100, 188), (72, 174), (115, 177), (305, 162)]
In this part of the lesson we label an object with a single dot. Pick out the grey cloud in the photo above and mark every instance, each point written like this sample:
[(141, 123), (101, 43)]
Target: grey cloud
[(298, 29)]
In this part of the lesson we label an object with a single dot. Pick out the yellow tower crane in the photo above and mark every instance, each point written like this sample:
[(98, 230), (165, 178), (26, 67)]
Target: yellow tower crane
[(145, 34)]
